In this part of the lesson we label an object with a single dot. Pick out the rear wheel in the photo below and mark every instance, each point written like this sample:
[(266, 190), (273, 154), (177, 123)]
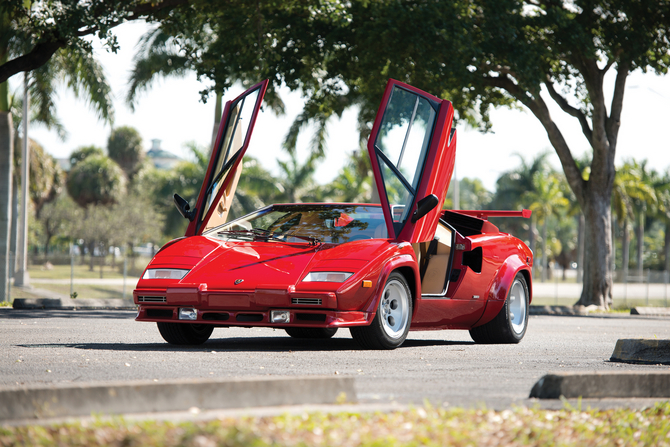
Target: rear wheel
[(311, 332), (391, 324), (185, 333), (509, 326)]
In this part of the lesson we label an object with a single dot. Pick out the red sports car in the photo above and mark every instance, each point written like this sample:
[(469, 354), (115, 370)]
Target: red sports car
[(378, 269)]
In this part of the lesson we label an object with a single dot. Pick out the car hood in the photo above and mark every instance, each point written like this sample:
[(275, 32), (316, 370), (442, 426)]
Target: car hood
[(225, 265)]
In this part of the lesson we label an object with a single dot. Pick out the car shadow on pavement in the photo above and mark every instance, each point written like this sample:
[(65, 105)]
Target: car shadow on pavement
[(29, 314), (238, 344)]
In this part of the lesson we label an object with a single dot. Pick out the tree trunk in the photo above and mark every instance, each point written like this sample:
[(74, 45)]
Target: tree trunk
[(91, 249), (531, 238), (640, 246), (15, 224), (666, 247), (597, 275), (580, 247), (614, 234), (545, 260), (625, 251), (6, 167)]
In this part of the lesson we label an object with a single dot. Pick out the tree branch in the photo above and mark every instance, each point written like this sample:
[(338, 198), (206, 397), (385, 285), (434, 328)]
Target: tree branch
[(614, 120), (539, 108), (53, 41), (567, 108)]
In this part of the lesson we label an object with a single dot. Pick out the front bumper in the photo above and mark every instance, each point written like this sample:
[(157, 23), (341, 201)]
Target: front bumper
[(250, 308), (257, 318)]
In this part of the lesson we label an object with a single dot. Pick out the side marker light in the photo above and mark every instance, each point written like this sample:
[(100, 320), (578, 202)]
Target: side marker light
[(367, 283)]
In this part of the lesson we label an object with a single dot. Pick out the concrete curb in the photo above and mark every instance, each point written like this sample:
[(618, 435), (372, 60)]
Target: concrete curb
[(69, 304), (651, 311), (603, 385), (648, 351), (561, 310), (178, 395)]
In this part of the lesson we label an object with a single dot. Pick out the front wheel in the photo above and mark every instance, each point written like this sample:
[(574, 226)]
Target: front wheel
[(185, 333), (391, 324), (509, 326)]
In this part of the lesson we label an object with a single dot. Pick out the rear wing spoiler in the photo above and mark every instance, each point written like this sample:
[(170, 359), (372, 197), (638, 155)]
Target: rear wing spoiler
[(485, 214)]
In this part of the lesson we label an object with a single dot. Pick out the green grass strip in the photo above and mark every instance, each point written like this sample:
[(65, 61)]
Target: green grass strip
[(426, 426)]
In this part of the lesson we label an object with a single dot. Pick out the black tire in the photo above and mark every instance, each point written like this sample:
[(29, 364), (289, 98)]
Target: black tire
[(185, 333), (311, 332), (507, 326), (390, 326)]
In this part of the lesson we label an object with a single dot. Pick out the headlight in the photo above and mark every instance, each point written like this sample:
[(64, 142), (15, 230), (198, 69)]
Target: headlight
[(165, 273), (327, 276)]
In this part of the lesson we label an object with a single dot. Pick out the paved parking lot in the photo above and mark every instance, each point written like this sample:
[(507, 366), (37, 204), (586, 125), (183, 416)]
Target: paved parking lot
[(38, 347)]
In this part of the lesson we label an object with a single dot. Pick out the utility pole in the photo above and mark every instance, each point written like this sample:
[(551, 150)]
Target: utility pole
[(21, 278)]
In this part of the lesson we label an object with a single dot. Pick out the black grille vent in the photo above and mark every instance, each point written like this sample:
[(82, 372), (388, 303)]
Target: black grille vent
[(152, 299), (307, 301)]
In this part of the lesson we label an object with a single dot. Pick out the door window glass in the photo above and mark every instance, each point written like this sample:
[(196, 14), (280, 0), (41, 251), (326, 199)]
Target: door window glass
[(402, 143), (237, 132)]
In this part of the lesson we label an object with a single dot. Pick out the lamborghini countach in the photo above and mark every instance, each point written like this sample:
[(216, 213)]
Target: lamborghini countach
[(379, 269)]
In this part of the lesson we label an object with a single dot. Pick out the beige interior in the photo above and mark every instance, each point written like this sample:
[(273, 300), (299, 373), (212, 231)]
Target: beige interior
[(220, 214), (436, 271)]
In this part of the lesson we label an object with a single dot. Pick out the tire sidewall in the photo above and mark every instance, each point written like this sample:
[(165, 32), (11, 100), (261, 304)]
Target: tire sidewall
[(517, 336), (384, 338)]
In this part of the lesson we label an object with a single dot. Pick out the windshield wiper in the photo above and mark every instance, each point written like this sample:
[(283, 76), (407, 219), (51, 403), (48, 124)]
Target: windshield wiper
[(267, 234), (282, 237), (237, 233)]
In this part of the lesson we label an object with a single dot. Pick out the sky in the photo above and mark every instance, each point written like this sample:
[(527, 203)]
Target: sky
[(172, 112)]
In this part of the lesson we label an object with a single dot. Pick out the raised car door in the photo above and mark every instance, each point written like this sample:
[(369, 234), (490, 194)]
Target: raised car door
[(225, 164), (412, 149)]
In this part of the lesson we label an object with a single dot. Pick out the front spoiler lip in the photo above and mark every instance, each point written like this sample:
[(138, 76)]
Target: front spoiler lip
[(333, 318)]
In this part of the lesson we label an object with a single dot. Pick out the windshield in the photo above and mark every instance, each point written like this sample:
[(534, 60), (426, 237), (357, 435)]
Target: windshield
[(307, 223)]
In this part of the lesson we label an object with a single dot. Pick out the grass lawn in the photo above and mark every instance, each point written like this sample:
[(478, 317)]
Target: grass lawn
[(83, 291), (418, 427), (80, 271)]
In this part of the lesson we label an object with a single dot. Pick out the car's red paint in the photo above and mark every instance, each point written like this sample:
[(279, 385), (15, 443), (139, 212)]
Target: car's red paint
[(238, 273)]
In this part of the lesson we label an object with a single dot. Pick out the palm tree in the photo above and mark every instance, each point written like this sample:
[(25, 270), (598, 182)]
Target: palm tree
[(297, 181), (81, 73), (629, 188), (355, 182), (546, 199), (158, 56), (511, 188)]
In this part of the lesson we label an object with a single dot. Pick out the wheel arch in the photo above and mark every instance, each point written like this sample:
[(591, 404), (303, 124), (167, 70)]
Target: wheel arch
[(499, 289), (407, 267)]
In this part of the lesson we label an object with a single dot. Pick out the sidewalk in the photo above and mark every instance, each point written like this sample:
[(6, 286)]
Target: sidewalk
[(620, 291)]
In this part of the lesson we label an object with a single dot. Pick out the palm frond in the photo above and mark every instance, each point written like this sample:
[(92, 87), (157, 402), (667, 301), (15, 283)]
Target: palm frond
[(82, 72)]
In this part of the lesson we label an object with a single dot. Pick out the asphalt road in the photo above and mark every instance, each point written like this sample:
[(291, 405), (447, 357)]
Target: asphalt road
[(38, 347)]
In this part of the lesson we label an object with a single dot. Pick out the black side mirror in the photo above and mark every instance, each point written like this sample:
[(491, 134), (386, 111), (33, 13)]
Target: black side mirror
[(183, 207), (424, 206)]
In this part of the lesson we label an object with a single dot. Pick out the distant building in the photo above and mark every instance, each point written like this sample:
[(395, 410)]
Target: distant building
[(161, 158), (64, 164)]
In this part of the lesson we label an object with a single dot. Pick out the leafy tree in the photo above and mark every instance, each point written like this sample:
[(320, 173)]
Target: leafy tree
[(84, 152), (184, 179), (124, 146), (31, 35), (57, 219), (46, 178), (96, 180), (472, 195)]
